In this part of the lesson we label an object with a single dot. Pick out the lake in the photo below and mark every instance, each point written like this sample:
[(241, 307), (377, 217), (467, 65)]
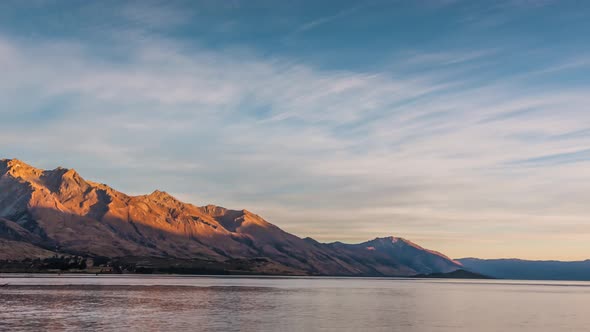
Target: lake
[(195, 303)]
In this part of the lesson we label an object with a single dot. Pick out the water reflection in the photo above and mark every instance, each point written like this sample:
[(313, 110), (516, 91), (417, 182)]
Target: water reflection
[(290, 304)]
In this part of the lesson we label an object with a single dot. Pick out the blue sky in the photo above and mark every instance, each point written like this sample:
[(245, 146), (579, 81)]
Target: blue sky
[(462, 125)]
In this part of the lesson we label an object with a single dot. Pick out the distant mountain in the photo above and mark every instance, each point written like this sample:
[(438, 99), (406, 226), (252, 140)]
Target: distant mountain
[(392, 256), (529, 270), (44, 212)]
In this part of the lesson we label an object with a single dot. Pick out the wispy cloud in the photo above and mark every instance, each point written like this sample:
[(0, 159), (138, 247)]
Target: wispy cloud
[(153, 14), (556, 159), (327, 19), (398, 150)]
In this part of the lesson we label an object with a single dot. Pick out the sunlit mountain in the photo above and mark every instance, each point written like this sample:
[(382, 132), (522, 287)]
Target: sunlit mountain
[(57, 212)]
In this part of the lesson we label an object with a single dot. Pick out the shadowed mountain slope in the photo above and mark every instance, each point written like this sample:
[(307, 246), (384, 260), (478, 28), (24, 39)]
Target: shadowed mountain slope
[(46, 211)]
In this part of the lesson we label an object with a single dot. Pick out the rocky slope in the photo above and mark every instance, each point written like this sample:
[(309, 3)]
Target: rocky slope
[(47, 211)]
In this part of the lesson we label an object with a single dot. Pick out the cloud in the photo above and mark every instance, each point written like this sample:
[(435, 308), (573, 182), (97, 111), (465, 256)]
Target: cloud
[(334, 154), (558, 158), (153, 14), (327, 19)]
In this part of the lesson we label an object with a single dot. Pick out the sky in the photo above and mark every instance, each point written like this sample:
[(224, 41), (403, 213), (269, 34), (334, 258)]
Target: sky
[(463, 126)]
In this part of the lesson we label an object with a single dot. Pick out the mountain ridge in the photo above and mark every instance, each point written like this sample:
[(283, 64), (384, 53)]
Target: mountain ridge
[(514, 268), (59, 211)]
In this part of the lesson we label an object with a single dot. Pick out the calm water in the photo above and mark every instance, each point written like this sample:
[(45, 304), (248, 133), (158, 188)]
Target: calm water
[(156, 303)]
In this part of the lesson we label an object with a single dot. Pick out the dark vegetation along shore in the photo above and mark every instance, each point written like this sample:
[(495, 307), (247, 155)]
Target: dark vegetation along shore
[(131, 265), (158, 265), (458, 274)]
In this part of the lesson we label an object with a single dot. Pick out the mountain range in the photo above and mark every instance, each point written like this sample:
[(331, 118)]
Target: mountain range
[(44, 213), (529, 270)]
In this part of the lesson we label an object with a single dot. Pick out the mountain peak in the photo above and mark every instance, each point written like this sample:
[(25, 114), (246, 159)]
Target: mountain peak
[(389, 239), (159, 193), (161, 196), (18, 168), (396, 240), (14, 163), (64, 172)]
